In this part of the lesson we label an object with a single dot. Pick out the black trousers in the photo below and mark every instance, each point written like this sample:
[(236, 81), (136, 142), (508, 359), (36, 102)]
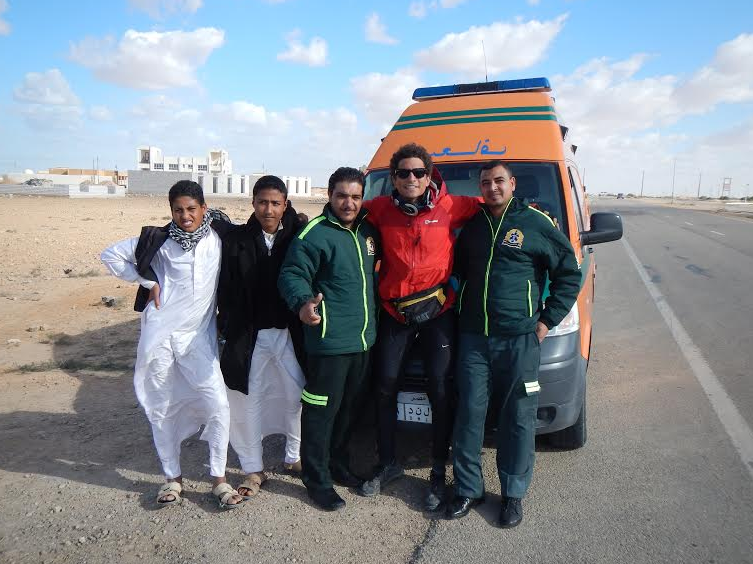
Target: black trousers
[(394, 340), (332, 398)]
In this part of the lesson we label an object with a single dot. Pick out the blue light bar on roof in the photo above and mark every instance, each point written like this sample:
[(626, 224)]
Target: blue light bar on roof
[(539, 84)]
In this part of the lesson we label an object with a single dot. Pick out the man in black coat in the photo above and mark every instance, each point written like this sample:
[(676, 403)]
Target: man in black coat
[(263, 353)]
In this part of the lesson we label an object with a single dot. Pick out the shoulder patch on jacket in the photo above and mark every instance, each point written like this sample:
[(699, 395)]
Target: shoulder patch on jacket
[(311, 224)]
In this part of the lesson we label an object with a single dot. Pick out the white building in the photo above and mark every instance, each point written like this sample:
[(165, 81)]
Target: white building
[(151, 158), (298, 185), (214, 173)]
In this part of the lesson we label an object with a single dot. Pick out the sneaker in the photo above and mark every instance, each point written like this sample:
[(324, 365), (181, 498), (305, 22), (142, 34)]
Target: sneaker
[(384, 476), (435, 495), (511, 513)]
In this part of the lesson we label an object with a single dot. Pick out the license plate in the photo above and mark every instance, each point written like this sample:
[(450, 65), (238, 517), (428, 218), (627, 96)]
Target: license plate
[(413, 407)]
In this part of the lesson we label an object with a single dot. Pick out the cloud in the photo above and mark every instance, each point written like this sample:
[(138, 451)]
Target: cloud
[(158, 9), (41, 117), (420, 8), (313, 55), (381, 97), (241, 113), (100, 113), (605, 97), (156, 108), (49, 88), (533, 2), (618, 116), (149, 60), (4, 26), (257, 136), (417, 9), (728, 78), (508, 46), (47, 102), (376, 31)]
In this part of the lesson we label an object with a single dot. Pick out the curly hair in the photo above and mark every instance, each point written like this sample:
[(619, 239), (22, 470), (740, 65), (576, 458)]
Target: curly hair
[(409, 151)]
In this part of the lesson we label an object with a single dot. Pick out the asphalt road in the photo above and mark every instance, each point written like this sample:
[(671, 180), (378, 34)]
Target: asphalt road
[(660, 479)]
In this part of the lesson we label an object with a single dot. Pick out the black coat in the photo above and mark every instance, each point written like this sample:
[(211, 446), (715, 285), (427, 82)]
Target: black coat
[(242, 292), (150, 241)]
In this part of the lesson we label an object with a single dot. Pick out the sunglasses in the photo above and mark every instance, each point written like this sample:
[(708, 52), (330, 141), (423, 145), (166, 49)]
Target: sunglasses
[(406, 172)]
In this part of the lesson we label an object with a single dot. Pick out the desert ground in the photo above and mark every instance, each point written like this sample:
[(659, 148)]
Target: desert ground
[(78, 471)]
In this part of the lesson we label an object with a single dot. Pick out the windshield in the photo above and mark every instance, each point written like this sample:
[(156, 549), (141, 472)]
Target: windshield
[(537, 183)]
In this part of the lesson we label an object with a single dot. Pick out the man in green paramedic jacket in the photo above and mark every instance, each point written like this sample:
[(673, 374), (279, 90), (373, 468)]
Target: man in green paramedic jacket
[(502, 259), (328, 279)]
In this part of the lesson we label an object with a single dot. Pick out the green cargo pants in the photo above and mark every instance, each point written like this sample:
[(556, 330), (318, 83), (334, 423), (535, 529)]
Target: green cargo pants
[(487, 368), (332, 398)]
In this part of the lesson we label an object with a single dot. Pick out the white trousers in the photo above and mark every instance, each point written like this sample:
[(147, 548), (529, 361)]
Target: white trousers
[(273, 403), (181, 393)]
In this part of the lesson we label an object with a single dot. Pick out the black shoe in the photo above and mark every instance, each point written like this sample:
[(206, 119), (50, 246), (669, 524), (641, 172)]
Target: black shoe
[(384, 476), (460, 506), (435, 496), (511, 513), (328, 500), (345, 477)]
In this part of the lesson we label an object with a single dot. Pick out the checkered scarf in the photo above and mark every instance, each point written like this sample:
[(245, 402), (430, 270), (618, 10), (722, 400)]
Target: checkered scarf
[(186, 240)]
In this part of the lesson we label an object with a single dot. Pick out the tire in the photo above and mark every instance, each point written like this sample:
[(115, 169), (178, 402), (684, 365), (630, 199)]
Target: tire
[(572, 437)]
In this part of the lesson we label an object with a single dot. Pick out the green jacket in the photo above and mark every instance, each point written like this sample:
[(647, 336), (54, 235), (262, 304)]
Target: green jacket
[(502, 267), (338, 262)]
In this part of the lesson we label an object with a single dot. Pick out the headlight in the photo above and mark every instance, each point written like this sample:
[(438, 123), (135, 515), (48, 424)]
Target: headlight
[(570, 324)]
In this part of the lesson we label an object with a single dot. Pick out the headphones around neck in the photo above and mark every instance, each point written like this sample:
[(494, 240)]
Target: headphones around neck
[(411, 209)]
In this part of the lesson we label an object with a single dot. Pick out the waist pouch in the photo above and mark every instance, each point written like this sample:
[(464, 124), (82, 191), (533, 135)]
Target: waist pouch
[(422, 306)]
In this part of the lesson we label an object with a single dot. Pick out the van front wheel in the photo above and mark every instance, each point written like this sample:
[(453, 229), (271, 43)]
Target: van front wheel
[(574, 436)]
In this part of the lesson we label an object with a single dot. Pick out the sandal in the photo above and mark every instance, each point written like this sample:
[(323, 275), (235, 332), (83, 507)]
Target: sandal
[(173, 489), (224, 492), (252, 484), (294, 468)]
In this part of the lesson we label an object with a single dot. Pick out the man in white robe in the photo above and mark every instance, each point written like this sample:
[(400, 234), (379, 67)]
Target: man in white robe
[(261, 357), (177, 373)]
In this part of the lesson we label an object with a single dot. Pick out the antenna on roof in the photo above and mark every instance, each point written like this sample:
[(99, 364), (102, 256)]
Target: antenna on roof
[(486, 71)]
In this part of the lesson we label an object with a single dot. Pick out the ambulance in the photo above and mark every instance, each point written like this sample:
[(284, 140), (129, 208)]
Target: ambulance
[(465, 125)]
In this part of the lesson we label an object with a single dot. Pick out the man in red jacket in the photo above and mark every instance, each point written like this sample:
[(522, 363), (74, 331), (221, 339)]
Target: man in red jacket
[(417, 223)]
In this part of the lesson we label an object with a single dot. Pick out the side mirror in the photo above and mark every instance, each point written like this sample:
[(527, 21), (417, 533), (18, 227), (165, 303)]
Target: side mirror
[(605, 226)]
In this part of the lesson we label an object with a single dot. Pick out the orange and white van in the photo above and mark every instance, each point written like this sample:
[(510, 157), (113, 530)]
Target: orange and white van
[(465, 125)]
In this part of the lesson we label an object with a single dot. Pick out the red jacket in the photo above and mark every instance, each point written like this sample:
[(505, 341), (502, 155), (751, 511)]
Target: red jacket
[(417, 250)]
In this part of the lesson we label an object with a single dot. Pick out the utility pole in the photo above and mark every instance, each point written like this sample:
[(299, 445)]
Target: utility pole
[(643, 177), (698, 197), (674, 168)]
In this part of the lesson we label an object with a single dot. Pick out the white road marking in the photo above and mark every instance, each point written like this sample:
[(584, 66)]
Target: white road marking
[(734, 423), (688, 223), (717, 233)]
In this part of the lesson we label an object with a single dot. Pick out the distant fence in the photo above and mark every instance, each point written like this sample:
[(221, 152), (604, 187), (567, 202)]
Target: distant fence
[(64, 190)]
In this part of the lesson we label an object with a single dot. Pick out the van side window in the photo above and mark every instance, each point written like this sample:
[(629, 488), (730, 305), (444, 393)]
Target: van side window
[(576, 202)]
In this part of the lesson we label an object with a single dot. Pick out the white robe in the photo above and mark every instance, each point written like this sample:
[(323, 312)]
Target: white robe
[(177, 374), (273, 403)]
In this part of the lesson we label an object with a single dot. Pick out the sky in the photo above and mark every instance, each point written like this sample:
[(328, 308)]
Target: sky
[(300, 87)]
